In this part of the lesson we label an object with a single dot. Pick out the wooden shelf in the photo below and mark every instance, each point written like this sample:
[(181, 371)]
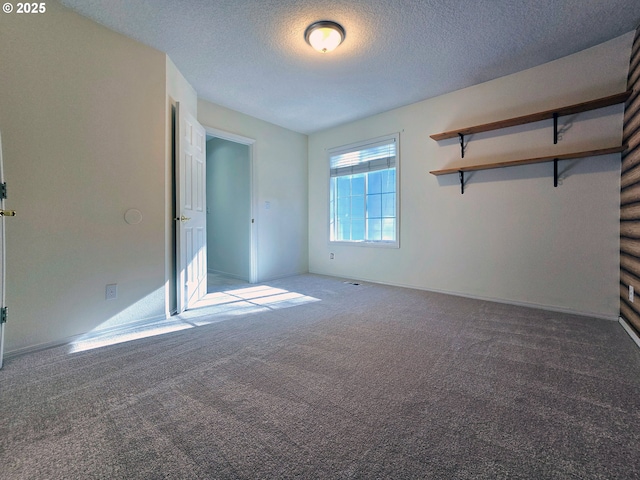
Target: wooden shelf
[(536, 117), (527, 161)]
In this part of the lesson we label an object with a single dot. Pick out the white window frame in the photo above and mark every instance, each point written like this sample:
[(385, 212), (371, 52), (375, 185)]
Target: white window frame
[(395, 137)]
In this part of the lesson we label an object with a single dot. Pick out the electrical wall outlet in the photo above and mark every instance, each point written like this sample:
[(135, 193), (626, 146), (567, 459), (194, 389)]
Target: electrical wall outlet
[(631, 293), (112, 291), (331, 256)]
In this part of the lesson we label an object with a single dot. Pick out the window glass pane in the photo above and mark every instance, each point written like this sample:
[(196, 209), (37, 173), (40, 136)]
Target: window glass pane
[(344, 207), (389, 229), (357, 185), (374, 206), (357, 230), (357, 207), (374, 229), (388, 205), (338, 231), (344, 186), (388, 180), (332, 223), (374, 182), (344, 230)]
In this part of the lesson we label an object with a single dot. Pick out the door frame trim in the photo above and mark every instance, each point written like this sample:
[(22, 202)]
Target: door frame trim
[(3, 260), (253, 188)]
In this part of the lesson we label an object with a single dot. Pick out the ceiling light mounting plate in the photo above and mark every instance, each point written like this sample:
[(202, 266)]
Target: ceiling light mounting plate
[(325, 35)]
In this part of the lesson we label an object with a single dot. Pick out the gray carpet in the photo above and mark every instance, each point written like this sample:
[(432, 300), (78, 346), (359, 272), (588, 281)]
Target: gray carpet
[(369, 382)]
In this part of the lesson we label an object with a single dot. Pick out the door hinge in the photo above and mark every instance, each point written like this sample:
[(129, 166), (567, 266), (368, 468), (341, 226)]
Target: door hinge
[(3, 190), (3, 315)]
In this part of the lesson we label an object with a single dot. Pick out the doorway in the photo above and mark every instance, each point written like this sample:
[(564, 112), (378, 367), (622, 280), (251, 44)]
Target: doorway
[(249, 251), (230, 221)]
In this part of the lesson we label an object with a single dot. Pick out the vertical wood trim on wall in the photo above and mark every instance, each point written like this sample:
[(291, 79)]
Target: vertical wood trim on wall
[(630, 195)]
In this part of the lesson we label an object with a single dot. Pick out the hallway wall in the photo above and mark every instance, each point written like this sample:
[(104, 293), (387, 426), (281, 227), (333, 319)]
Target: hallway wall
[(228, 209)]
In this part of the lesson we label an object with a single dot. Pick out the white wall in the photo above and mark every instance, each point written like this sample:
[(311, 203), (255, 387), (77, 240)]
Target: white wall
[(228, 208), (85, 115), (511, 237), (82, 114), (179, 89), (280, 178)]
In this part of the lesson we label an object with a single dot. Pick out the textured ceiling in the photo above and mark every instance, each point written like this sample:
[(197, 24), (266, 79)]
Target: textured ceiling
[(250, 55)]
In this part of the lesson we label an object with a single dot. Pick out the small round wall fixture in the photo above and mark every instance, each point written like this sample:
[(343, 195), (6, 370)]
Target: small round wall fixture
[(324, 36), (133, 216)]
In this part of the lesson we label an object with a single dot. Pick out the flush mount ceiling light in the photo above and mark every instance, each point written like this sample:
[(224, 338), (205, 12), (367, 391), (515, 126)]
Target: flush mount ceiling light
[(324, 36)]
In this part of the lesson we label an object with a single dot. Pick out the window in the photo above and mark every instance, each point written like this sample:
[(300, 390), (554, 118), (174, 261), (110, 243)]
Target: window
[(363, 202)]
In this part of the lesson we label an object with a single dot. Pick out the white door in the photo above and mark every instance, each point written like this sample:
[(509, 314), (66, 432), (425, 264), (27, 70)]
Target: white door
[(191, 210)]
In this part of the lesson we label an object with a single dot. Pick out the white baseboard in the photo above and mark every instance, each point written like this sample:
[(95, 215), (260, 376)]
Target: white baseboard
[(40, 347), (284, 275), (70, 340), (550, 308), (226, 274)]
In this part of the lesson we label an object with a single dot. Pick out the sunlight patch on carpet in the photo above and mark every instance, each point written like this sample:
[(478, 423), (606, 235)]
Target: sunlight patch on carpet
[(213, 307)]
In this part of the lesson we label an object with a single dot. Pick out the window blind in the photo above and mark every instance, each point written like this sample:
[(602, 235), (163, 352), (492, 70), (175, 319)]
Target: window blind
[(365, 158)]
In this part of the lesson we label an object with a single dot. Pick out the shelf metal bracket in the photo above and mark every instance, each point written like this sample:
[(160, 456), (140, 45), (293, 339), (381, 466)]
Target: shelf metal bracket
[(461, 135), (461, 176), (555, 128), (555, 172)]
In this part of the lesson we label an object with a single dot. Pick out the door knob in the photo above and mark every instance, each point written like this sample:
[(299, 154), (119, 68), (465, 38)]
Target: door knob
[(7, 213), (182, 219)]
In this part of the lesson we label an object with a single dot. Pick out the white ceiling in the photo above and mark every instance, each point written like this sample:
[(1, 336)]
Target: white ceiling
[(251, 56)]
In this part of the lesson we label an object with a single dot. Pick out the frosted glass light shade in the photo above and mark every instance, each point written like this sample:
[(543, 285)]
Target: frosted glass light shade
[(324, 36)]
